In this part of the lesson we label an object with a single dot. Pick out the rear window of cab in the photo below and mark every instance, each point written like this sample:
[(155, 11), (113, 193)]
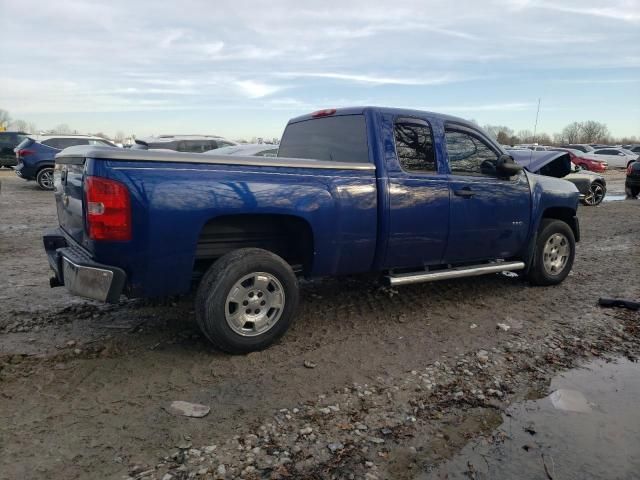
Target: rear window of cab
[(341, 138)]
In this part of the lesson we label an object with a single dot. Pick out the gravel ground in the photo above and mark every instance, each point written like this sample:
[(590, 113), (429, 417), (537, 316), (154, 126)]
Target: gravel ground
[(370, 382)]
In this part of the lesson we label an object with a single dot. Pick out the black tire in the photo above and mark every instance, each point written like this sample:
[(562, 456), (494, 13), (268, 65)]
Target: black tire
[(44, 178), (222, 276), (538, 273), (632, 192)]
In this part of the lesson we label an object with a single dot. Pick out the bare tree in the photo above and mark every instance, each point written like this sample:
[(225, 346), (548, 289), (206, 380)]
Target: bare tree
[(572, 133), (32, 128), (119, 138), (559, 138), (19, 126), (543, 138), (501, 133), (593, 132), (62, 129), (525, 136)]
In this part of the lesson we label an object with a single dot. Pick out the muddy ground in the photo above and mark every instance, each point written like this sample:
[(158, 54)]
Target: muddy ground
[(401, 379)]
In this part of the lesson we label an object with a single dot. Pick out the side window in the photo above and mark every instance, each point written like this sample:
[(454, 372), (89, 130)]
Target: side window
[(469, 155), (267, 153), (414, 146), (52, 142), (72, 142)]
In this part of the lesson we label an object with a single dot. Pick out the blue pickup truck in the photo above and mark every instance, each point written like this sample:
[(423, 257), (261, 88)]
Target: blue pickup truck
[(413, 195)]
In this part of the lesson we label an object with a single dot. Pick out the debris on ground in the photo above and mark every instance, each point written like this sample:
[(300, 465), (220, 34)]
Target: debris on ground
[(188, 409)]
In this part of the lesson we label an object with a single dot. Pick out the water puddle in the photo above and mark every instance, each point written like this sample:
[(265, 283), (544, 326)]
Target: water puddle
[(587, 428), (614, 198)]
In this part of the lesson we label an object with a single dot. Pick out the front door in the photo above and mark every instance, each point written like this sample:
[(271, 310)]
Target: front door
[(489, 215)]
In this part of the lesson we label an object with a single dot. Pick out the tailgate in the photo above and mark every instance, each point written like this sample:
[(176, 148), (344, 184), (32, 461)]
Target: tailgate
[(69, 195)]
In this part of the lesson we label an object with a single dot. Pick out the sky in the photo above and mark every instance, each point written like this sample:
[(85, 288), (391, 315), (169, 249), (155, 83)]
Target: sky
[(242, 68)]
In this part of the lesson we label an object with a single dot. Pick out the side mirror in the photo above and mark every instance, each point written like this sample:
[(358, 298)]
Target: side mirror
[(507, 167)]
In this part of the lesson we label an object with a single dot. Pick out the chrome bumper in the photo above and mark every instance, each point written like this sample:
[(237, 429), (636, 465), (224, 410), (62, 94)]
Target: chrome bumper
[(90, 282), (75, 269)]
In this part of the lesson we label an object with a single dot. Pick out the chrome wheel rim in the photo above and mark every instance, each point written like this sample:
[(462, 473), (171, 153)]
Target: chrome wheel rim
[(46, 179), (556, 253), (254, 304), (596, 194)]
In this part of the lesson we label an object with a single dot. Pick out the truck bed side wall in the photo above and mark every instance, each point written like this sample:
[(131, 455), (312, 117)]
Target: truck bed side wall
[(172, 202)]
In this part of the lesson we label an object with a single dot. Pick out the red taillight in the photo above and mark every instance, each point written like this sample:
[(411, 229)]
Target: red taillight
[(24, 152), (324, 113), (108, 209)]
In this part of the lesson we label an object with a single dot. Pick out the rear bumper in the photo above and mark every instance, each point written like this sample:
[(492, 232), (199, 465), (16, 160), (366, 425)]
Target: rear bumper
[(74, 268), (25, 172)]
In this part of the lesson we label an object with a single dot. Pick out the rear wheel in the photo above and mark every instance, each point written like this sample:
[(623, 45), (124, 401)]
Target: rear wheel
[(45, 178), (554, 253), (632, 192), (246, 300), (596, 194)]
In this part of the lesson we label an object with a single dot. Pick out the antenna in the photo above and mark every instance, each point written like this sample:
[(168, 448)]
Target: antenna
[(535, 129)]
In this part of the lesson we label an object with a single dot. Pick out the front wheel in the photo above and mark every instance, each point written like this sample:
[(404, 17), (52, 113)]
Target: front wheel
[(246, 300), (554, 253), (45, 178)]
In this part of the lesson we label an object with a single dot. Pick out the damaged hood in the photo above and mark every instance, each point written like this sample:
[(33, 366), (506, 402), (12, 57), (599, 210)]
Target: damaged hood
[(550, 163)]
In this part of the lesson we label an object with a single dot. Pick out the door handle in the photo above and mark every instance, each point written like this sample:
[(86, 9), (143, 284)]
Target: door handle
[(464, 192)]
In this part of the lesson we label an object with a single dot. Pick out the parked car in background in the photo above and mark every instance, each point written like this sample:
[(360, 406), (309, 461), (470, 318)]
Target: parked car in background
[(615, 157), (592, 186), (579, 146), (632, 182), (184, 143), (247, 149), (438, 200), (633, 148), (578, 158), (9, 141), (36, 155)]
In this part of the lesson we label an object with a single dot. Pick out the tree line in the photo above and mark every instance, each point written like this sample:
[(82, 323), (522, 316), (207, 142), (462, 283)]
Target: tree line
[(589, 131)]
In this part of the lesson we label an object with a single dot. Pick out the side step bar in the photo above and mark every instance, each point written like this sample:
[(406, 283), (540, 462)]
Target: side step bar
[(458, 272)]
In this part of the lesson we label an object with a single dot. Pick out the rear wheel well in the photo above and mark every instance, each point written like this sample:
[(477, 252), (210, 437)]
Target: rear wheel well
[(565, 214), (287, 236)]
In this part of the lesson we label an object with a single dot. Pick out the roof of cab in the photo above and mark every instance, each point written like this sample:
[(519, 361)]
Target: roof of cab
[(390, 110)]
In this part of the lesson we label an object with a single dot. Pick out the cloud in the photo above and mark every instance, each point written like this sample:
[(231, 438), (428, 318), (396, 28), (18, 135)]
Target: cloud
[(256, 89), (372, 79), (490, 107), (628, 11), (238, 55)]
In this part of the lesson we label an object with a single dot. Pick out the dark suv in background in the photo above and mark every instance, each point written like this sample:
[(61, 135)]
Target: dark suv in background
[(36, 158), (184, 143), (632, 182), (9, 141)]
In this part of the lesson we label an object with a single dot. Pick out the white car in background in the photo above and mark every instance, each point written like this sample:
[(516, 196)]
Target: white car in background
[(247, 150), (615, 157)]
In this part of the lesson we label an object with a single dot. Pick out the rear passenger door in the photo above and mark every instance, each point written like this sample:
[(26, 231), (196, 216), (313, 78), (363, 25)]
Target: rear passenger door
[(418, 197), (489, 215)]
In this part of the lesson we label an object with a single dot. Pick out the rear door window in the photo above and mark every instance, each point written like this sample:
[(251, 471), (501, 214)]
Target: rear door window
[(336, 139), (414, 145)]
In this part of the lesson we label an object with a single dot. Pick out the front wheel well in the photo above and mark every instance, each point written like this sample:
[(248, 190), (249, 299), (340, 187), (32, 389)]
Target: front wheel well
[(288, 236), (567, 215)]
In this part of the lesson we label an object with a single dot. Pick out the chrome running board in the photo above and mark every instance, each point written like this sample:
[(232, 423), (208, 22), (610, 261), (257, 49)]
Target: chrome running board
[(458, 272)]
